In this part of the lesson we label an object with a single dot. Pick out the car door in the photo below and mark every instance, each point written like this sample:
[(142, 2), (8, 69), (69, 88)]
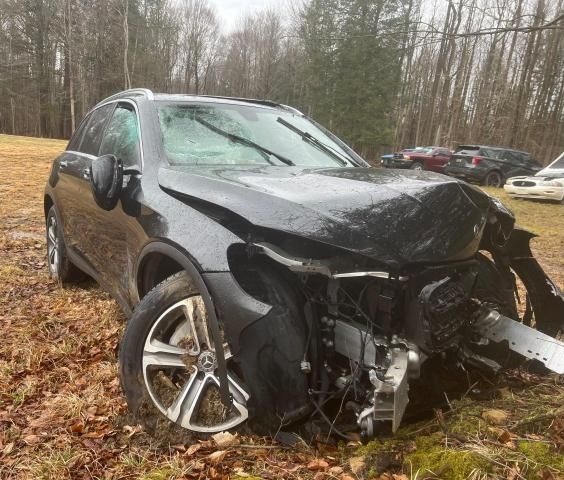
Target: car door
[(72, 167), (516, 164), (107, 231), (532, 165), (440, 159)]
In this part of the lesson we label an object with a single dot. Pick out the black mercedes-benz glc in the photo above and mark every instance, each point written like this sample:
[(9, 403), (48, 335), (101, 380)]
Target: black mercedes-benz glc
[(268, 272)]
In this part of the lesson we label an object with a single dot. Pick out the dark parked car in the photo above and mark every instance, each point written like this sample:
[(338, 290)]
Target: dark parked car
[(269, 275), (421, 158), (490, 166)]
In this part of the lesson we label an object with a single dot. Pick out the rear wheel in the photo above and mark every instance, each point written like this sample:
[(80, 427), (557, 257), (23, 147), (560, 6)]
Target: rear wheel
[(493, 179), (60, 267), (416, 166), (168, 366)]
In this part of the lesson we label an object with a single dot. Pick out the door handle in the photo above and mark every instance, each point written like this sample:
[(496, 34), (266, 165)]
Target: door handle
[(86, 174), (63, 164)]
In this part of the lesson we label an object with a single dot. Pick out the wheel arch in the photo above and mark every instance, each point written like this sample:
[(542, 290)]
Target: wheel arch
[(494, 169), (47, 204), (174, 253), (159, 260)]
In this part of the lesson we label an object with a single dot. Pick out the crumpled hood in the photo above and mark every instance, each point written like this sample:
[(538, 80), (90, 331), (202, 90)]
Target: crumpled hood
[(395, 217)]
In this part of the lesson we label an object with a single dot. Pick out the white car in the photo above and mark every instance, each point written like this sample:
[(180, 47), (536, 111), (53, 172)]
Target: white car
[(547, 184)]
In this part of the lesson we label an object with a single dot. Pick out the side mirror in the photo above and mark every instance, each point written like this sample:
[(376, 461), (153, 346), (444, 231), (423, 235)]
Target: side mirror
[(106, 181)]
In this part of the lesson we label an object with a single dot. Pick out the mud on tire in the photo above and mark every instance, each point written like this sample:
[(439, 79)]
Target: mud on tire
[(167, 369)]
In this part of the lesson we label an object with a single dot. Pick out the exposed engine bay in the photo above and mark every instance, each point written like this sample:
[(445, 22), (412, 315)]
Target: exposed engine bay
[(370, 332)]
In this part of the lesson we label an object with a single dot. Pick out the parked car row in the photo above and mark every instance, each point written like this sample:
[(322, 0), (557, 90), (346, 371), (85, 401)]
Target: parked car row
[(490, 166), (548, 184), (419, 158)]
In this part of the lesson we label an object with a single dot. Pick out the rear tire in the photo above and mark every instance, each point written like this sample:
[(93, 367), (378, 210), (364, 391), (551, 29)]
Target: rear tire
[(493, 179), (417, 166), (60, 267)]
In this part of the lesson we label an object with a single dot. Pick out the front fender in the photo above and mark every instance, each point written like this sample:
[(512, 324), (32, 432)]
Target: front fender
[(546, 298), (232, 307)]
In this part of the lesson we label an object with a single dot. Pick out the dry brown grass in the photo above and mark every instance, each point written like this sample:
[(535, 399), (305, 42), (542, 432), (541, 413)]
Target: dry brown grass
[(62, 414)]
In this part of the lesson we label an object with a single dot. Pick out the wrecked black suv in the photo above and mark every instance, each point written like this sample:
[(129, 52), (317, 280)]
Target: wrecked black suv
[(269, 273)]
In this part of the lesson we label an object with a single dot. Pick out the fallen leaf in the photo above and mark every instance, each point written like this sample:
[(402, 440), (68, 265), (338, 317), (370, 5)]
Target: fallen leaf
[(357, 464), (8, 448), (504, 436), (32, 439), (131, 430), (77, 427), (335, 471), (317, 464), (496, 417), (192, 449), (217, 457), (225, 439)]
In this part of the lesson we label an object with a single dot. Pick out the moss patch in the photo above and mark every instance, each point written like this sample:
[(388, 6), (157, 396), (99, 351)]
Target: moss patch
[(541, 456), (432, 457)]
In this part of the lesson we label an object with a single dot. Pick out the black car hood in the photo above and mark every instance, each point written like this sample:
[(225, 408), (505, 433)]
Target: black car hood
[(394, 217)]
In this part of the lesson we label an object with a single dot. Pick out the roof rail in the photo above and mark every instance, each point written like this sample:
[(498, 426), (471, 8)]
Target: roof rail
[(266, 103), (132, 91)]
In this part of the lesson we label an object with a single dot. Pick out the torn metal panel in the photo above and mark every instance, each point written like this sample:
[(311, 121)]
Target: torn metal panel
[(524, 340)]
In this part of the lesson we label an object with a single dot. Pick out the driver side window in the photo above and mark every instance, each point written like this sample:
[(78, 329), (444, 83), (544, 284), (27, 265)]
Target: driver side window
[(121, 137)]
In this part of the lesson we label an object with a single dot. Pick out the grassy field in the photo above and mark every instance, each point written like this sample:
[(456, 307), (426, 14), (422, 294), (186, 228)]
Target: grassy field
[(62, 414)]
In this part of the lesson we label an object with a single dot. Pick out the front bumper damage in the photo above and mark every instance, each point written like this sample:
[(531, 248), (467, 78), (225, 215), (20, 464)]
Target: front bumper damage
[(391, 361), (521, 339)]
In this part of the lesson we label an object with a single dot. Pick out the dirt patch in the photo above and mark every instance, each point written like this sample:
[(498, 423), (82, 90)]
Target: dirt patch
[(211, 410), (164, 388), (23, 235)]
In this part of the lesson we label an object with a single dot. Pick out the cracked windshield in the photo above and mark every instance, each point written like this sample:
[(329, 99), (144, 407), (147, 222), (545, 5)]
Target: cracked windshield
[(227, 134)]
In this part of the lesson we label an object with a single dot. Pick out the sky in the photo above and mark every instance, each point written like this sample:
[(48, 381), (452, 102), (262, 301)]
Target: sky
[(231, 11)]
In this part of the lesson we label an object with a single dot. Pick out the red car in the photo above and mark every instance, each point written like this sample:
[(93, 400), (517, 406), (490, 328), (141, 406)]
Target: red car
[(424, 158)]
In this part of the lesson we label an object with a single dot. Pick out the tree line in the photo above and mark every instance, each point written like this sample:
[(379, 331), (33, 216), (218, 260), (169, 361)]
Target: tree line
[(382, 74)]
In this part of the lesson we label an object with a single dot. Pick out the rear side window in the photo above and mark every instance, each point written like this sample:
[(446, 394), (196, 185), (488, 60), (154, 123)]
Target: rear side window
[(74, 143), (516, 158), (94, 129), (492, 153), (467, 150)]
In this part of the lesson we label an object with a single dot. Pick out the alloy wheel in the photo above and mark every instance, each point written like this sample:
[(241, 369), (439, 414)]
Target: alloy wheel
[(493, 180), (52, 245), (180, 371)]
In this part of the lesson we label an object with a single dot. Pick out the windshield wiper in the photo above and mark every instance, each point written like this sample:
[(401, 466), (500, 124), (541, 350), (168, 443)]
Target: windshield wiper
[(244, 141), (308, 137)]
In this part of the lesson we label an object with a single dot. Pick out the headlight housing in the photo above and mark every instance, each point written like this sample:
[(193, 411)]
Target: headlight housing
[(552, 183)]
